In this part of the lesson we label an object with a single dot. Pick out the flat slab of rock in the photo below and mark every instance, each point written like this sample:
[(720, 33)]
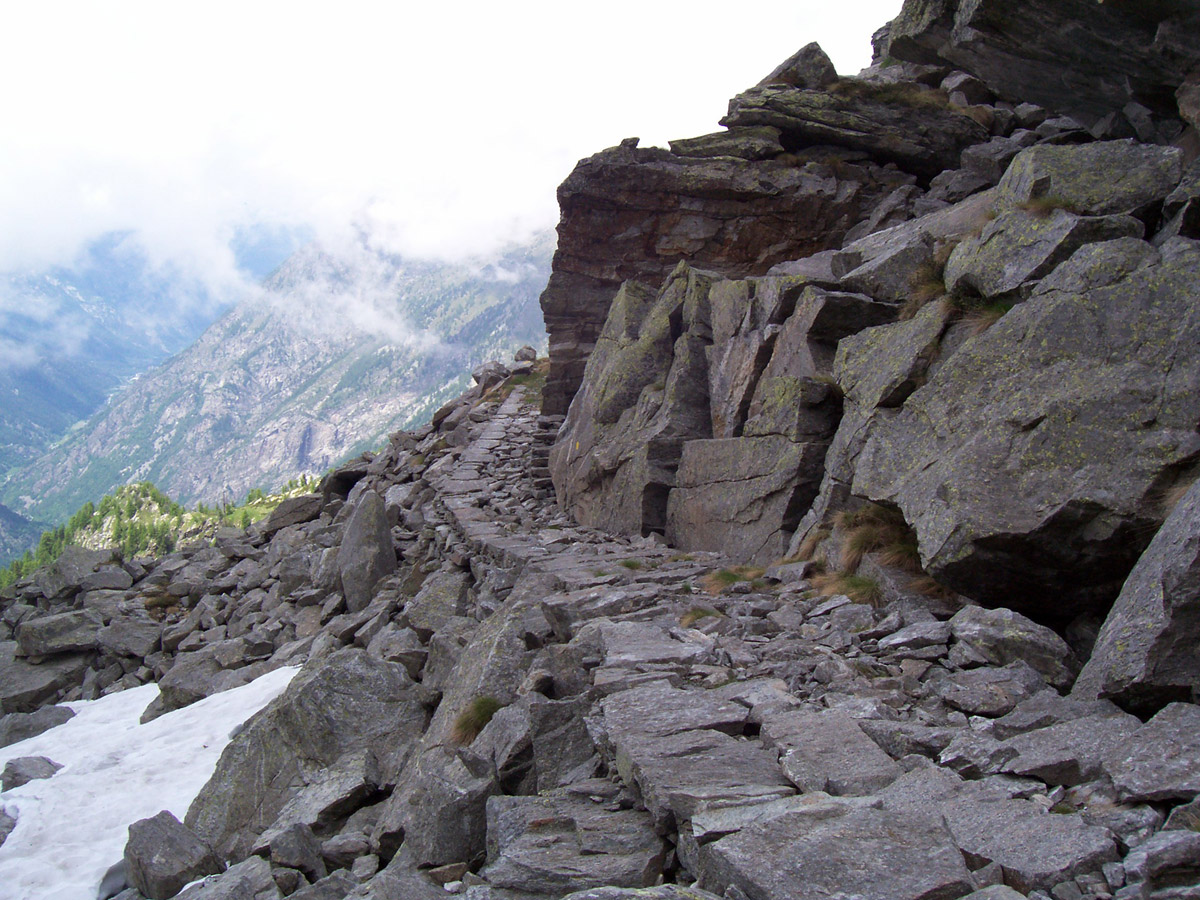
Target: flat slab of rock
[(248, 880), (1161, 761), (862, 116), (1035, 849), (987, 691), (827, 751), (676, 747), (658, 710), (293, 511), (551, 844), (1071, 752), (60, 633), (662, 892), (872, 854)]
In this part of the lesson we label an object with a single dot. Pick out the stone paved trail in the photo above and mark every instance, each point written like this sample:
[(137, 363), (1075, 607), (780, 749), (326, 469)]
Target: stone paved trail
[(517, 708)]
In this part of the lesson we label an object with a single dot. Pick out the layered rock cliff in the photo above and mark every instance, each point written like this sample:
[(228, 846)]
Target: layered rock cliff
[(850, 549)]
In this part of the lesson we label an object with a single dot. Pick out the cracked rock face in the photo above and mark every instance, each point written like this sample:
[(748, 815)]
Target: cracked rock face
[(630, 214)]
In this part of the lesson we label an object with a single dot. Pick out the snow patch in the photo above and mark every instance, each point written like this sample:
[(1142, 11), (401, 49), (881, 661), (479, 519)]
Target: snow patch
[(73, 826)]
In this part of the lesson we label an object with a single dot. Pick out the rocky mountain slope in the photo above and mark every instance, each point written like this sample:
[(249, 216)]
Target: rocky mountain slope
[(339, 352), (859, 565), (72, 335)]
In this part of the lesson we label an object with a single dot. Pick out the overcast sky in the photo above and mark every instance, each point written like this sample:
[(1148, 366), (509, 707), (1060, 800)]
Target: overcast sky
[(442, 128)]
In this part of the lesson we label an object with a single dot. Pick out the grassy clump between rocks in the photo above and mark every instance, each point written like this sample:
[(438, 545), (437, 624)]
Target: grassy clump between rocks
[(473, 719), (858, 588), (715, 582), (696, 614)]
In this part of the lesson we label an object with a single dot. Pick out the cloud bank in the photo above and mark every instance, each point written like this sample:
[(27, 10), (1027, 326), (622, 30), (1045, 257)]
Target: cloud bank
[(438, 129)]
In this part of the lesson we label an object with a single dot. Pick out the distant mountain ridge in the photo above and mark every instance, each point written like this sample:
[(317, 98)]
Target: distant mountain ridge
[(339, 351), (72, 334)]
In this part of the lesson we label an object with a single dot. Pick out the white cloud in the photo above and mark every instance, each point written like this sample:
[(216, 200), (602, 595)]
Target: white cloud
[(445, 128)]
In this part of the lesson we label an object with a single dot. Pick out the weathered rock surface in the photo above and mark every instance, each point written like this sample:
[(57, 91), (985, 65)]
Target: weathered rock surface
[(20, 726), (351, 702), (366, 553), (163, 855), (630, 214), (1053, 474), (1067, 56), (868, 852), (26, 769), (1147, 652), (916, 129)]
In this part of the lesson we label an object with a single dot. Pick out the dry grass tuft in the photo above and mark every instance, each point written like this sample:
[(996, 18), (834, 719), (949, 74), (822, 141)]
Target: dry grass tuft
[(809, 545), (696, 613), (715, 582), (928, 586), (1169, 497), (858, 588)]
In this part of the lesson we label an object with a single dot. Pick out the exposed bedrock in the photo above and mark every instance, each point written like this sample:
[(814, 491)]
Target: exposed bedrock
[(704, 413), (1035, 486), (1120, 61)]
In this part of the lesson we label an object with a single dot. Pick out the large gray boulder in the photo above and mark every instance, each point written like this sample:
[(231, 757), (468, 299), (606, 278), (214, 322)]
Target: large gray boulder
[(1148, 652), (25, 769), (61, 633), (162, 855), (1019, 247), (999, 637), (346, 702), (25, 687), (366, 554), (1082, 177), (914, 127), (1033, 486), (20, 726), (77, 567), (446, 805)]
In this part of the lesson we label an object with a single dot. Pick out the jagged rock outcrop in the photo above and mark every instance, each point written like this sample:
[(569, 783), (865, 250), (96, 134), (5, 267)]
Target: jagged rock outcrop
[(632, 214), (1111, 65)]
